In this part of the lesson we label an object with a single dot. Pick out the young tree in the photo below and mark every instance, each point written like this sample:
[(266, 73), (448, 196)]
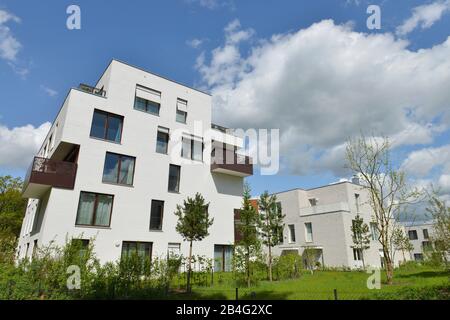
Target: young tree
[(387, 188), (441, 226), (193, 223), (360, 236), (270, 224), (12, 206), (401, 242), (249, 240)]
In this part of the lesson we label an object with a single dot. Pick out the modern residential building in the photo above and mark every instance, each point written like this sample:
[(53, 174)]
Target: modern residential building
[(320, 219), (419, 234), (118, 159)]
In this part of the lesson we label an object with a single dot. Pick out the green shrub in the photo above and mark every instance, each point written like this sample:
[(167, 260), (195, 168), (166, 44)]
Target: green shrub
[(437, 292), (287, 266)]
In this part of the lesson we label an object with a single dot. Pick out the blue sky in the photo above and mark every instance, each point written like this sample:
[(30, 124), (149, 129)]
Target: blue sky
[(171, 37)]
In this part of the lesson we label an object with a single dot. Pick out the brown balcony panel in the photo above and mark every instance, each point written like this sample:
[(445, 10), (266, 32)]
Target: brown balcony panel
[(240, 166), (47, 173)]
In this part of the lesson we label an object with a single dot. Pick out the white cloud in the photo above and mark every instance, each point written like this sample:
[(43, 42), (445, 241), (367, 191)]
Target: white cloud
[(194, 43), (424, 16), (420, 163), (50, 92), (212, 4), (444, 183), (19, 144), (9, 45), (324, 84)]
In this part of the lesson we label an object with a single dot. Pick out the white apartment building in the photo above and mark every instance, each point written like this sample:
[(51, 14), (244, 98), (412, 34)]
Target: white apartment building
[(320, 219), (419, 233), (118, 159)]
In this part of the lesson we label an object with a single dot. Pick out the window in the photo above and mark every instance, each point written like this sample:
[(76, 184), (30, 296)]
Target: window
[(35, 248), (181, 111), (174, 249), (425, 234), (162, 140), (308, 232), (94, 209), (357, 202), (357, 254), (156, 215), (374, 231), (147, 100), (142, 249), (192, 148), (426, 245), (291, 233), (412, 234), (118, 169), (51, 142), (81, 245), (174, 178), (223, 255), (418, 256), (106, 126), (313, 202)]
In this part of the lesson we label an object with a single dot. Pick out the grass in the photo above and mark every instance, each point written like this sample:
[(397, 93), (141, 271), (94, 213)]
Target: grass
[(350, 285)]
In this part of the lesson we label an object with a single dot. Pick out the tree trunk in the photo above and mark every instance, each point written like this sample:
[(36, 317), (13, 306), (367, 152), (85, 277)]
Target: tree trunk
[(247, 264), (270, 263), (404, 258), (188, 282), (389, 269), (362, 259)]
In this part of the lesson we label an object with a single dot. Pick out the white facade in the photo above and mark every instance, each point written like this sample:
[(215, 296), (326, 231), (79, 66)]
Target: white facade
[(131, 205), (321, 219), (419, 234)]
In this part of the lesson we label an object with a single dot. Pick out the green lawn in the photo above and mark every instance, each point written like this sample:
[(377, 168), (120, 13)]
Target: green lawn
[(321, 285)]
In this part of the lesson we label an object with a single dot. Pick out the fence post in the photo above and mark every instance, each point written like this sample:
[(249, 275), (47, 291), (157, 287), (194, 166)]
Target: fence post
[(212, 277), (237, 293), (335, 294)]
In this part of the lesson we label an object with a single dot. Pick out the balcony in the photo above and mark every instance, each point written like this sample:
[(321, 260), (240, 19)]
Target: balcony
[(92, 90), (229, 162), (326, 208), (47, 173)]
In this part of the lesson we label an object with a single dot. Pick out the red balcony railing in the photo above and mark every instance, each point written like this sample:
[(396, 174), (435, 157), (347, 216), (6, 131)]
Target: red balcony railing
[(228, 161), (50, 173)]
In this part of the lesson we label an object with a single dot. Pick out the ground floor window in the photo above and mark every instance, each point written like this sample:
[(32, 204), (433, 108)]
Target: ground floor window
[(357, 254), (142, 249), (222, 257), (418, 256)]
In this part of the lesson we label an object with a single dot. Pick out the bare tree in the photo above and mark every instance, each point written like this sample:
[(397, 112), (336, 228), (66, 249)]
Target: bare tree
[(387, 188)]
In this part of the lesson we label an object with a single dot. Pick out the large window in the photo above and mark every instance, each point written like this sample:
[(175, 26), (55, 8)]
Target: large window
[(94, 209), (162, 140), (106, 126), (181, 111), (412, 234), (425, 234), (308, 232), (192, 148), (223, 255), (118, 169), (374, 231), (357, 254), (147, 100), (142, 249), (291, 233), (174, 178), (156, 215)]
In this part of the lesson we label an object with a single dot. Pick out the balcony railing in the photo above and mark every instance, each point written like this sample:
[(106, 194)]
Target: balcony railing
[(92, 90), (46, 173), (229, 162), (325, 208)]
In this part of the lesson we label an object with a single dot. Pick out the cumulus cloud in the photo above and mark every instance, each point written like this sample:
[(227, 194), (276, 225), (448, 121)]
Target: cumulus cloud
[(420, 163), (9, 45), (325, 83), (424, 16), (19, 144)]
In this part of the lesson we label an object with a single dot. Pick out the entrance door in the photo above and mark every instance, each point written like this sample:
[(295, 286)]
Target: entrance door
[(222, 258)]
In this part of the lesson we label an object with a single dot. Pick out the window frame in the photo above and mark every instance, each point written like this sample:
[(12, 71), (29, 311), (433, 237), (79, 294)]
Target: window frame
[(137, 243), (106, 125), (425, 234), (178, 181), (306, 233), (118, 169), (191, 145), (167, 142), (94, 213), (292, 233), (416, 237), (161, 217), (147, 102)]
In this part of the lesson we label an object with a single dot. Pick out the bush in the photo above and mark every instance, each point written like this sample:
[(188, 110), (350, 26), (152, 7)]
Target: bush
[(287, 266), (437, 292)]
